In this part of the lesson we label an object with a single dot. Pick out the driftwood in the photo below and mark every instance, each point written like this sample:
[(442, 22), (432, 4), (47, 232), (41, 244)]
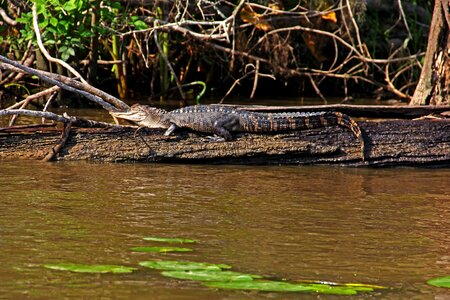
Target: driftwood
[(423, 142)]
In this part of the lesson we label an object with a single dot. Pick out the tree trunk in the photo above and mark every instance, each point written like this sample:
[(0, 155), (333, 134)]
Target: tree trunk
[(434, 82), (93, 53), (388, 143)]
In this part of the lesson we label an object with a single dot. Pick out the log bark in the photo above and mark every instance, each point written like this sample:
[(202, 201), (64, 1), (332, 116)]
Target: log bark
[(388, 143)]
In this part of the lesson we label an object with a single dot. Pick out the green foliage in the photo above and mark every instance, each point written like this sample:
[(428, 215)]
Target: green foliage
[(206, 275), (168, 240), (219, 275), (138, 23), (80, 268), (169, 265), (214, 275), (160, 249), (440, 282), (64, 26), (281, 286)]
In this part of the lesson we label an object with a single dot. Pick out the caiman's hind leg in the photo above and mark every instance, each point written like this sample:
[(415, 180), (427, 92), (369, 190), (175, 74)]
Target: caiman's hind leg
[(223, 126)]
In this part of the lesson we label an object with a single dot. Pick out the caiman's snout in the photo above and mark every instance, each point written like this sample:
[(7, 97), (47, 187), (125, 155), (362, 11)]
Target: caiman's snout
[(131, 115), (143, 115)]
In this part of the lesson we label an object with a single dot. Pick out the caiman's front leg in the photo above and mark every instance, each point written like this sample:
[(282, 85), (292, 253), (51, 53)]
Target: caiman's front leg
[(170, 130)]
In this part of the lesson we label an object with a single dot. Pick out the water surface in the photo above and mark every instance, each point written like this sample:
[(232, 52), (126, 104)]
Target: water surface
[(387, 227)]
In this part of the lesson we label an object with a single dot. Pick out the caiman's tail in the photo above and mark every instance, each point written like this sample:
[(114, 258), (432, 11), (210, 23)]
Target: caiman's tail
[(293, 121), (346, 121)]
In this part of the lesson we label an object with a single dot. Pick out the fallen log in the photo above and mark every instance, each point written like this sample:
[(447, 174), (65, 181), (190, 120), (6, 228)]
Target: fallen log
[(423, 142), (387, 143)]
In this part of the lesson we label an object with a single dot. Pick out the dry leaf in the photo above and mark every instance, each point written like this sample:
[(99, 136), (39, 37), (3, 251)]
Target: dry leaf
[(331, 16), (248, 15)]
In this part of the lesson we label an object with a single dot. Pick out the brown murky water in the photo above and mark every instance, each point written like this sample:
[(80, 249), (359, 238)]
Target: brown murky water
[(379, 226)]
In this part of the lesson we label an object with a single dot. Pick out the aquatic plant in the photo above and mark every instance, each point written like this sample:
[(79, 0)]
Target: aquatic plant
[(440, 282), (161, 249), (169, 240), (81, 268)]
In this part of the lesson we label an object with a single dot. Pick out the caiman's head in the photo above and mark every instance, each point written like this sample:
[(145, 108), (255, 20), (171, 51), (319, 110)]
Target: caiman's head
[(144, 115)]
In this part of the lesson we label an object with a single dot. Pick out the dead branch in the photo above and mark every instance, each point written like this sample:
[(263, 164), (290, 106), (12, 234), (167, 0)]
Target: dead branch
[(255, 80), (22, 104), (57, 148), (26, 60), (316, 88), (359, 55), (33, 113), (76, 121), (389, 82), (47, 104), (102, 62), (7, 18), (236, 82), (50, 80), (89, 89)]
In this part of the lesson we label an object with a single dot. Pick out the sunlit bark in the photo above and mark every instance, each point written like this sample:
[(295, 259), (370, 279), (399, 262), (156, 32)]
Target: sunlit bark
[(389, 143)]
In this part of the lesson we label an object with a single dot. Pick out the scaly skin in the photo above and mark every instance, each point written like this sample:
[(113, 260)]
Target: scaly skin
[(222, 120)]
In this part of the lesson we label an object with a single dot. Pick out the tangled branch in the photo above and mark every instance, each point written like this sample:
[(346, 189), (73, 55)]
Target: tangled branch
[(220, 39), (271, 35)]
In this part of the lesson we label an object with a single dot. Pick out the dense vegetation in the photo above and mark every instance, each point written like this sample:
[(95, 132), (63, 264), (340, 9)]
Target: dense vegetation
[(180, 49)]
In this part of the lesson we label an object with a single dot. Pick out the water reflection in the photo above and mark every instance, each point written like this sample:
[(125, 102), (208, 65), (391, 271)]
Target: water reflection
[(384, 226)]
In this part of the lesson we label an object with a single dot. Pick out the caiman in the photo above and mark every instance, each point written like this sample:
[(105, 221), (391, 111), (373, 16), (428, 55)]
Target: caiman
[(222, 120)]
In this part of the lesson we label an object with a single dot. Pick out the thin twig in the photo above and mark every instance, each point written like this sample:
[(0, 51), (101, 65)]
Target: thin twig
[(102, 62), (233, 28), (255, 81), (403, 17), (316, 88), (45, 52), (169, 65), (343, 42), (24, 103), (27, 59), (236, 82), (47, 104), (390, 85)]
